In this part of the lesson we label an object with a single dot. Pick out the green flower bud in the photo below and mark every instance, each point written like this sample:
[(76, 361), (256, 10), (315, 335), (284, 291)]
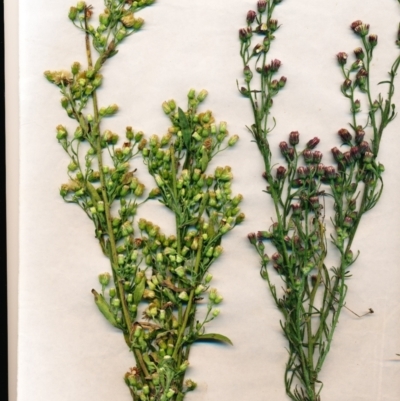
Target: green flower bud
[(217, 251), (104, 19), (199, 289), (212, 295), (121, 34), (139, 190), (180, 271), (108, 111), (64, 102), (121, 259), (61, 132), (215, 312), (233, 140), (184, 366), (72, 166), (184, 296), (191, 94), (240, 218), (104, 279), (116, 303), (166, 108), (202, 95), (138, 23), (161, 315), (222, 127), (197, 136), (81, 5), (73, 12)]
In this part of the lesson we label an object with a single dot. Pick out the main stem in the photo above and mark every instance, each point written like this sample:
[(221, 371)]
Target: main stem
[(107, 208)]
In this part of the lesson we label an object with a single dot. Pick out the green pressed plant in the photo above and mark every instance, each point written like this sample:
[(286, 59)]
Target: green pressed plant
[(156, 282), (177, 266), (313, 295)]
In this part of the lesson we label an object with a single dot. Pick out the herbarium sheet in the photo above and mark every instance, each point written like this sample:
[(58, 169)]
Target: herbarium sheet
[(66, 349)]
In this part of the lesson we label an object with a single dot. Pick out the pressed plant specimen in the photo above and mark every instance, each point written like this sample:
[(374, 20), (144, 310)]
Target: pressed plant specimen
[(313, 295), (156, 281), (177, 265)]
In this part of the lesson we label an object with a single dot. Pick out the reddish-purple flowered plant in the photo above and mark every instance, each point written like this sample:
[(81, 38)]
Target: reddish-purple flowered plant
[(312, 295)]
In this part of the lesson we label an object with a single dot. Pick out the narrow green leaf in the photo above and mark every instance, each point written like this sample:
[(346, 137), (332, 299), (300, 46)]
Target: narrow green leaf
[(104, 308), (184, 124), (214, 337), (139, 290)]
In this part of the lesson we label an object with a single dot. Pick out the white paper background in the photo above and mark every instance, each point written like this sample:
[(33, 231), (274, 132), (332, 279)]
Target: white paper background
[(67, 351)]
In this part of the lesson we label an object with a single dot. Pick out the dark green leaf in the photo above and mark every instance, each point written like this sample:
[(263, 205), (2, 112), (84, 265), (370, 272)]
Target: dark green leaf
[(184, 124), (214, 337)]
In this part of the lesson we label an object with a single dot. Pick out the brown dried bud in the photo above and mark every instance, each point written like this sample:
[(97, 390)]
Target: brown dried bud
[(330, 172), (346, 84), (280, 173), (314, 202), (251, 16), (275, 64), (296, 209), (359, 53), (252, 238), (261, 6), (348, 157), (284, 148), (345, 135), (364, 147), (355, 152), (373, 40), (342, 58), (308, 156), (360, 133), (282, 82), (337, 154), (320, 169), (317, 156), (290, 154), (245, 34), (294, 138), (273, 25), (312, 143), (355, 24), (302, 172)]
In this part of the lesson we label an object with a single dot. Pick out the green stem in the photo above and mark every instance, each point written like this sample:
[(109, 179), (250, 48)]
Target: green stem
[(188, 310)]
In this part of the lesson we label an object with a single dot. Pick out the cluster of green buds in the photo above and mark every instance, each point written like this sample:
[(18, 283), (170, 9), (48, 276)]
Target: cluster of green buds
[(117, 22), (164, 336), (177, 277), (178, 161)]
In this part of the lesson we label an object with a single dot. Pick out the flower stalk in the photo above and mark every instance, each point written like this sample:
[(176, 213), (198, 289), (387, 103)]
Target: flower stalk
[(313, 296)]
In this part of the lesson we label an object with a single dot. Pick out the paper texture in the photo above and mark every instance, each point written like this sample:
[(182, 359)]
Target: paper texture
[(66, 350)]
